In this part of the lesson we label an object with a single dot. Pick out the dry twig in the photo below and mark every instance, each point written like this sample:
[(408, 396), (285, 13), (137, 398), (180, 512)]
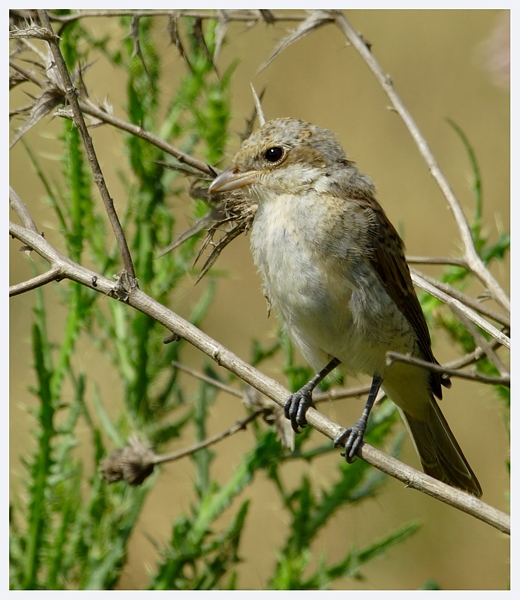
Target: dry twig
[(79, 120), (470, 253)]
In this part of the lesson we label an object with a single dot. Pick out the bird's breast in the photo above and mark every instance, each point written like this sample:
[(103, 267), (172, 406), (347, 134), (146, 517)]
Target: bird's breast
[(330, 301), (287, 247)]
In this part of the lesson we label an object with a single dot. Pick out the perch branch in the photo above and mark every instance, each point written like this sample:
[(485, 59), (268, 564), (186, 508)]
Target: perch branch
[(222, 356)]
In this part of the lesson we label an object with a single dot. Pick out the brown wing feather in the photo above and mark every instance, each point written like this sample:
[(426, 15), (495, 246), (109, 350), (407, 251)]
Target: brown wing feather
[(388, 261)]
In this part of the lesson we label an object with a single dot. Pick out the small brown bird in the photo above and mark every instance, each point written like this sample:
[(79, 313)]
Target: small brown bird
[(334, 269)]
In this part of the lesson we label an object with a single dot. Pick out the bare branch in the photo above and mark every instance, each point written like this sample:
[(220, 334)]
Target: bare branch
[(318, 397), (135, 462), (437, 260), (25, 73), (198, 34), (134, 36), (212, 381), (45, 103), (483, 343), (231, 15), (20, 288), (392, 357), (21, 210), (33, 31), (470, 358), (220, 33), (173, 29), (238, 426), (69, 269), (470, 252), (464, 298), (89, 147), (90, 109), (453, 302)]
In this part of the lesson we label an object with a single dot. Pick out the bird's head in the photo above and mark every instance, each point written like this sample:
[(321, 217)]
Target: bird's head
[(283, 155)]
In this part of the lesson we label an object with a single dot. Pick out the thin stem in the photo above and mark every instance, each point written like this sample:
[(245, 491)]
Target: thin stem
[(475, 304), (484, 344), (20, 208), (182, 157), (453, 302), (206, 379), (238, 426), (70, 92), (470, 358), (392, 357), (53, 274), (437, 260), (29, 75), (340, 394), (231, 15)]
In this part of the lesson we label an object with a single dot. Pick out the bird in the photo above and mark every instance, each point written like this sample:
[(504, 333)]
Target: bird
[(334, 269)]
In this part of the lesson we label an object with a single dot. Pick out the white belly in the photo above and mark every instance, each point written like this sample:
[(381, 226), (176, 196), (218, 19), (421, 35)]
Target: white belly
[(331, 306)]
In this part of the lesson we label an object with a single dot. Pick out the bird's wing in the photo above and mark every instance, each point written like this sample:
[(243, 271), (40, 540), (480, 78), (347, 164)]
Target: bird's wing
[(389, 262)]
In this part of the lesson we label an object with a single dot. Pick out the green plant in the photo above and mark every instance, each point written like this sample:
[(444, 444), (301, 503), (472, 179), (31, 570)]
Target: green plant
[(70, 529)]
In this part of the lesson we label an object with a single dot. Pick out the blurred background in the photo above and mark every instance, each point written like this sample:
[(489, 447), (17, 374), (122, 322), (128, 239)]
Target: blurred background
[(444, 64)]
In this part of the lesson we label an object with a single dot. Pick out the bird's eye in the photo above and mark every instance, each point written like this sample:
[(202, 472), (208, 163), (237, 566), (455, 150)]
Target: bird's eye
[(273, 154)]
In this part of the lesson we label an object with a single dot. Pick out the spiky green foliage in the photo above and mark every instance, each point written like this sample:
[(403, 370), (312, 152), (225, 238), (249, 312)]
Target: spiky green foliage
[(73, 531)]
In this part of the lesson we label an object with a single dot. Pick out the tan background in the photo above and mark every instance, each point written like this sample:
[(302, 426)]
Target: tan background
[(436, 60)]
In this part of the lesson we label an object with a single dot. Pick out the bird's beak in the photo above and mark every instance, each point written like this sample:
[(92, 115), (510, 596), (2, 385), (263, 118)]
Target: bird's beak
[(232, 180)]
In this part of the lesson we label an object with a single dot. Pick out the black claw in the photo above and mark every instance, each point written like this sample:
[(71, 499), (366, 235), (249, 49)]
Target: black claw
[(296, 406), (351, 439), (298, 403), (290, 413)]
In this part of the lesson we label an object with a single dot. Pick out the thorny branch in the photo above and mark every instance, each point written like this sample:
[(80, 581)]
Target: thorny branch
[(471, 255), (79, 120), (63, 267), (103, 116)]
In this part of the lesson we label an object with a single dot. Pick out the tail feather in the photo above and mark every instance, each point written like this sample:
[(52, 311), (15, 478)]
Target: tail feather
[(440, 454)]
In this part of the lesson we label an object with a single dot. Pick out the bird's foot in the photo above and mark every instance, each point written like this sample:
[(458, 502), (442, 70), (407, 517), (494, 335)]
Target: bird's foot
[(297, 405), (351, 439)]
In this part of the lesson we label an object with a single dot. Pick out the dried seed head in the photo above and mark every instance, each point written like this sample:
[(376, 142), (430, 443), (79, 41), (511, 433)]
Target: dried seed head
[(133, 463)]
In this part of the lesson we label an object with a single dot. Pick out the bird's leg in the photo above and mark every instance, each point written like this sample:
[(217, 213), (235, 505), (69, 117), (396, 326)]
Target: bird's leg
[(297, 404), (352, 438)]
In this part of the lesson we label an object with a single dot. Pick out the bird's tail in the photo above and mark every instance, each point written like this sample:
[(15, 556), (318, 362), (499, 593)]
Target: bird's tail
[(440, 454)]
